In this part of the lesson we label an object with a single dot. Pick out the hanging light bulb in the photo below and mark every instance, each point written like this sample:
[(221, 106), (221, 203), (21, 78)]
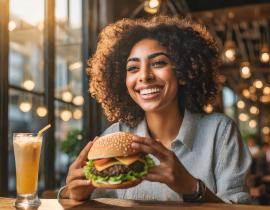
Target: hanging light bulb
[(264, 54), (254, 110), (266, 130), (41, 111), (67, 96), (78, 100), (245, 70), (65, 115), (243, 117), (252, 123), (152, 6), (25, 105), (229, 50), (266, 90), (77, 114), (28, 84), (241, 104), (258, 84)]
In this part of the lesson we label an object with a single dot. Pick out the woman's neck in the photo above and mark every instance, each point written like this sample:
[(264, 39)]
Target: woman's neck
[(164, 125)]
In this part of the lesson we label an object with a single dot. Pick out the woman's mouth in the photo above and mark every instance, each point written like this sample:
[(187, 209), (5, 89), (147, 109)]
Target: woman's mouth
[(150, 93)]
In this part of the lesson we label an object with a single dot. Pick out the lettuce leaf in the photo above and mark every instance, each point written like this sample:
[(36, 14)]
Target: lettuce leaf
[(130, 176)]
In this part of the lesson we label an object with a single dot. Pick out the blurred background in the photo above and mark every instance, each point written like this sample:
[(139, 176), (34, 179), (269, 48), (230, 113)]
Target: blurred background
[(44, 47)]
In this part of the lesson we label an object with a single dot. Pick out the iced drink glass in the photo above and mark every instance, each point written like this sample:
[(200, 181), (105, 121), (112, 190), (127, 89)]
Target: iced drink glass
[(27, 148)]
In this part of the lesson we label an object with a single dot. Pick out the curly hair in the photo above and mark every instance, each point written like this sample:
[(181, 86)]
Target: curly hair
[(189, 45)]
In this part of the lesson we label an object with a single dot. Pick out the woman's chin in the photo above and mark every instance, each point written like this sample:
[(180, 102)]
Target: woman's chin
[(150, 109)]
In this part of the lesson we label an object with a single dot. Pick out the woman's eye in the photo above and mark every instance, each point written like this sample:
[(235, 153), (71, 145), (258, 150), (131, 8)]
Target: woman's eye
[(132, 68), (158, 64)]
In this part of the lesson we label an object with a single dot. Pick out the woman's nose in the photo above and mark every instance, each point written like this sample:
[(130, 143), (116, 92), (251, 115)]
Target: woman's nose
[(146, 75)]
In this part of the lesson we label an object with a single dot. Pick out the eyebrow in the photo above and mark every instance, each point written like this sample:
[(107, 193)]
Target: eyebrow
[(149, 56)]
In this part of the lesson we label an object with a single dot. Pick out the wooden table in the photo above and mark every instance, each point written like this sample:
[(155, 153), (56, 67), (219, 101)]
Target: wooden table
[(109, 203)]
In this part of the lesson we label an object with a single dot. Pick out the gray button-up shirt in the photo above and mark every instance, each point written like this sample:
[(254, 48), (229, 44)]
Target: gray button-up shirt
[(210, 148)]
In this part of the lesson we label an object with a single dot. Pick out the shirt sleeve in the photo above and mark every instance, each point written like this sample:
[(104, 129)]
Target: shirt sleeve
[(232, 167)]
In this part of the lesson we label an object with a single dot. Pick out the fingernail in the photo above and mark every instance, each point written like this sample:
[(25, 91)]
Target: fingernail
[(88, 181), (135, 145)]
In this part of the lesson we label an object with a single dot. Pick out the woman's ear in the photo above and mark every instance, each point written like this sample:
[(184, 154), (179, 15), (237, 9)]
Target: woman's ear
[(182, 82)]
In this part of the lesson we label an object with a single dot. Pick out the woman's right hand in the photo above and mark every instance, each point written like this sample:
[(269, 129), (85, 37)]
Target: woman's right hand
[(78, 187)]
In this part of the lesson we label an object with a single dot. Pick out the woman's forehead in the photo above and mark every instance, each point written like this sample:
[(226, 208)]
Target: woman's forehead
[(145, 47)]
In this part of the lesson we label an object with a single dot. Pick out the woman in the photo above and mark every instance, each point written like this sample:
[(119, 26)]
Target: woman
[(153, 78)]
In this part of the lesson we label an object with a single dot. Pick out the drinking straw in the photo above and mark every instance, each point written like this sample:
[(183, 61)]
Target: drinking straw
[(44, 129)]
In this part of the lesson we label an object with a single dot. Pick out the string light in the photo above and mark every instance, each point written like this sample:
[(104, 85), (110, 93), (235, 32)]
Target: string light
[(78, 100), (41, 111), (67, 96), (65, 115), (77, 114)]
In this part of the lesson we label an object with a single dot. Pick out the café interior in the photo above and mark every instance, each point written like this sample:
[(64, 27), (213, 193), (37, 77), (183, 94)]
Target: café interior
[(44, 48)]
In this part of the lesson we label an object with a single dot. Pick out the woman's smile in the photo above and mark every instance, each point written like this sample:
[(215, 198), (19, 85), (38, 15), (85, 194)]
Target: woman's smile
[(150, 92)]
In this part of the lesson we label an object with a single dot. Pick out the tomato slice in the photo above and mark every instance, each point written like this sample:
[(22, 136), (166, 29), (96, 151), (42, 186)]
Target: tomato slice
[(102, 161)]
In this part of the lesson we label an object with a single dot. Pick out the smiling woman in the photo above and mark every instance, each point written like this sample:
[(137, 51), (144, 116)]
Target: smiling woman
[(153, 77), (189, 45)]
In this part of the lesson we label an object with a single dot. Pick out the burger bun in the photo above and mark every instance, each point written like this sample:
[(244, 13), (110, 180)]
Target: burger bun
[(112, 145)]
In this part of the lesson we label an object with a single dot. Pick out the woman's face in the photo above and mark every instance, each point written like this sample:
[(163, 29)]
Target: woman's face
[(151, 80)]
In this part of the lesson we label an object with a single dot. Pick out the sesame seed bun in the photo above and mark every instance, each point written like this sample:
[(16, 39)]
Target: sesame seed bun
[(123, 185), (112, 145)]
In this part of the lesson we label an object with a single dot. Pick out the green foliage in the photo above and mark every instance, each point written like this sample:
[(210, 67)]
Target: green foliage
[(73, 143)]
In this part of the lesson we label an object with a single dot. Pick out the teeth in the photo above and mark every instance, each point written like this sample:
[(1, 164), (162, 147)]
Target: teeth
[(150, 90)]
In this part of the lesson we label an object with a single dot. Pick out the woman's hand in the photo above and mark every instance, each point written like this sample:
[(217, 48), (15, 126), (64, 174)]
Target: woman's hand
[(79, 188), (170, 171)]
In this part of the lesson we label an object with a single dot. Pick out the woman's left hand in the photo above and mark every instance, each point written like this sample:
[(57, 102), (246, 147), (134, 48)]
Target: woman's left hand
[(170, 171)]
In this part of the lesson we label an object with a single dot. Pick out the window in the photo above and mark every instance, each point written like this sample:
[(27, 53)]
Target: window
[(27, 109)]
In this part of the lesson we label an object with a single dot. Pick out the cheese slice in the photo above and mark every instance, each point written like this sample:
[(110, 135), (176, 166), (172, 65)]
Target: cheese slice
[(107, 165), (129, 159), (120, 160)]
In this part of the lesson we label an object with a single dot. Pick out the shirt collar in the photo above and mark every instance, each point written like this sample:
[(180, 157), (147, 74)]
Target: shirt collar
[(186, 133), (188, 129)]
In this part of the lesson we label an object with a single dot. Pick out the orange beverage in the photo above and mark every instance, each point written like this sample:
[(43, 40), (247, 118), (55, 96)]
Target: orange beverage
[(27, 154)]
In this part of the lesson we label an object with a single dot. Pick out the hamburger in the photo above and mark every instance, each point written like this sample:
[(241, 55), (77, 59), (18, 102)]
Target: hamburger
[(114, 164)]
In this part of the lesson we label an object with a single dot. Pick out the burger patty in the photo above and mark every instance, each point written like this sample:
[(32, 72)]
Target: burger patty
[(115, 170)]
